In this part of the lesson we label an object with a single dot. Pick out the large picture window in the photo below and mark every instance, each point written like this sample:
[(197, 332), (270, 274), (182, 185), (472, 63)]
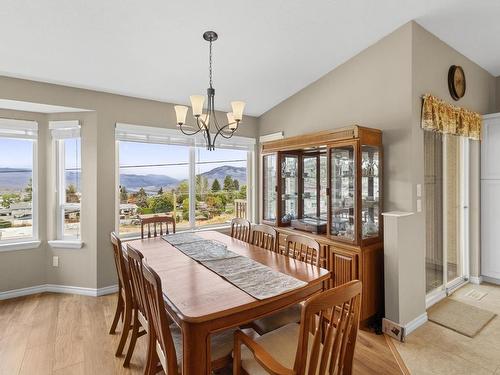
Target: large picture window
[(164, 172), (67, 144), (18, 181)]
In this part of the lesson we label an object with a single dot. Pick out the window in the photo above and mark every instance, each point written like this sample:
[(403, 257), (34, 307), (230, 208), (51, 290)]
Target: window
[(221, 186), (18, 181), (163, 171), (153, 179), (67, 145)]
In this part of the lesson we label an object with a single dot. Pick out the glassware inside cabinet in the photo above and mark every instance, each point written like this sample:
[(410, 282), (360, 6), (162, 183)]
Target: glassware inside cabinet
[(343, 202), (289, 188), (269, 189), (310, 181), (370, 194)]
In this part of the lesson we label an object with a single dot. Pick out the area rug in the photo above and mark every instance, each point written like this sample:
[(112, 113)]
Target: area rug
[(460, 317)]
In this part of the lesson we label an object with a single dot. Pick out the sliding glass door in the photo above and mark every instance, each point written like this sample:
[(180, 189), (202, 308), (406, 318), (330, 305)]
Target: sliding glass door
[(446, 210)]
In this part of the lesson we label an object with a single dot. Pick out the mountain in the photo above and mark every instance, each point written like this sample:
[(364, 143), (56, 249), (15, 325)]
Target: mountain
[(219, 173), (150, 182), (14, 179)]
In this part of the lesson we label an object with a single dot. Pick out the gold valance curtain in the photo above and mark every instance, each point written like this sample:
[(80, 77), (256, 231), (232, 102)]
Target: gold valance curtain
[(439, 116)]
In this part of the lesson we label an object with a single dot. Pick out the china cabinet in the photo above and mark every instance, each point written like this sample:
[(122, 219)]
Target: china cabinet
[(328, 186)]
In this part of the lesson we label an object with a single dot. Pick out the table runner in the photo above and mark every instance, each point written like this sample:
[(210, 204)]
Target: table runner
[(252, 277)]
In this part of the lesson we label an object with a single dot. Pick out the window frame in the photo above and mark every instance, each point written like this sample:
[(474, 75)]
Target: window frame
[(62, 131), (146, 134), (24, 130)]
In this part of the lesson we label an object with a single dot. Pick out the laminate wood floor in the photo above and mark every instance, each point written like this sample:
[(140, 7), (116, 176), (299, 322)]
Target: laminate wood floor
[(67, 334)]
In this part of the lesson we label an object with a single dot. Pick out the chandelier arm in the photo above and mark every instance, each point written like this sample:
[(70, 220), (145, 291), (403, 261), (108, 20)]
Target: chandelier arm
[(221, 133), (187, 133)]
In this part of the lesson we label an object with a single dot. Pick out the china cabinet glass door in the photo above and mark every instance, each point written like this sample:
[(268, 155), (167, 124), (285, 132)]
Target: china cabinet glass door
[(289, 188), (269, 168), (310, 187), (342, 192), (370, 191)]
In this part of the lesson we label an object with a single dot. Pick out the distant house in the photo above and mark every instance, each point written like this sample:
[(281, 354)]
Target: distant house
[(128, 209), (21, 210)]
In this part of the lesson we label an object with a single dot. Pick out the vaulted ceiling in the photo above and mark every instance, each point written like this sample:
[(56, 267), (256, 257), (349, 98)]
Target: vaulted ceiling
[(267, 49)]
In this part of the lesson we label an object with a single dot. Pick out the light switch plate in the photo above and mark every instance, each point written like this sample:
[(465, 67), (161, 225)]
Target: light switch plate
[(419, 205), (55, 261), (419, 190)]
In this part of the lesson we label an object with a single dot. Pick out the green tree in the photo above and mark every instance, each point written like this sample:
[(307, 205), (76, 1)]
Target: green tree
[(161, 203), (236, 185), (29, 191), (182, 191), (201, 186), (71, 194), (123, 194), (160, 192), (228, 183), (185, 209), (243, 192), (141, 198), (215, 186)]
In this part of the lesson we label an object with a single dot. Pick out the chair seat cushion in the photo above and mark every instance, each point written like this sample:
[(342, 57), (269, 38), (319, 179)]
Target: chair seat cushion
[(221, 344), (280, 343), (280, 319)]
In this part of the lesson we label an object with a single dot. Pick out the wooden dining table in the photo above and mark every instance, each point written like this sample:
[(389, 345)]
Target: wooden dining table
[(202, 302)]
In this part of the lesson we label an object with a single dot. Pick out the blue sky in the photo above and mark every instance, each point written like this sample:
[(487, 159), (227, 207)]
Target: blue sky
[(16, 153), (133, 154)]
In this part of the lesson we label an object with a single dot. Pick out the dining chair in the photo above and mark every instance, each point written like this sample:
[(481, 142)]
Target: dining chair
[(306, 250), (265, 236), (165, 338), (240, 229), (134, 259), (303, 248), (157, 220), (125, 304), (323, 343)]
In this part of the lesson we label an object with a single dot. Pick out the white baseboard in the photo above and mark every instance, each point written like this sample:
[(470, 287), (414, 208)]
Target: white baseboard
[(54, 288), (490, 280), (414, 324), (476, 280), (435, 297)]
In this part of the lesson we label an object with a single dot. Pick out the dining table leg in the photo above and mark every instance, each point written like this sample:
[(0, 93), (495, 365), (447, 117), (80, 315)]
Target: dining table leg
[(196, 349)]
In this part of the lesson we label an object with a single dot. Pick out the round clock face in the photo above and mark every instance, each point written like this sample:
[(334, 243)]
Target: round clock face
[(456, 82)]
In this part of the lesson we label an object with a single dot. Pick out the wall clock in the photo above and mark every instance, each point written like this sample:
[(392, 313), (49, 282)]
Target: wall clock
[(456, 82)]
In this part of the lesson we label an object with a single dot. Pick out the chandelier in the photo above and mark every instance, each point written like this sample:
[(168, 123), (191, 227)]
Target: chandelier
[(206, 123)]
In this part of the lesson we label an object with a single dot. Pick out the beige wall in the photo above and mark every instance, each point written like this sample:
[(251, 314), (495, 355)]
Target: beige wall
[(497, 93), (431, 61), (371, 89), (382, 87), (92, 266)]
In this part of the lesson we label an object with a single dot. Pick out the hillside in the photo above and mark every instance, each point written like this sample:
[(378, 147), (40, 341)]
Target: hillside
[(219, 173)]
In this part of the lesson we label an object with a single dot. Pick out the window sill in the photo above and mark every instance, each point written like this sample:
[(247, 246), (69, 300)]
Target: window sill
[(66, 244), (25, 245)]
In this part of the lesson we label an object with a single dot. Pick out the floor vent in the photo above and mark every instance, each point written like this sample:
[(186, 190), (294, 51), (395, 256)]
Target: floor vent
[(475, 294)]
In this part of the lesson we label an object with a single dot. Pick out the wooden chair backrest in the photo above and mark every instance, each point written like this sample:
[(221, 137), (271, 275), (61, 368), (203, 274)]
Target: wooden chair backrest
[(240, 229), (157, 221), (135, 265), (303, 248), (265, 236), (330, 320), (121, 265), (158, 320)]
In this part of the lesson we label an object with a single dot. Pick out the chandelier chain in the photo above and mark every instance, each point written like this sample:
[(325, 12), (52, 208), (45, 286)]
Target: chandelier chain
[(210, 63)]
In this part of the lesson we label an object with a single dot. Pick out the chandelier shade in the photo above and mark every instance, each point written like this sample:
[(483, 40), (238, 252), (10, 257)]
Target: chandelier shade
[(206, 122)]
